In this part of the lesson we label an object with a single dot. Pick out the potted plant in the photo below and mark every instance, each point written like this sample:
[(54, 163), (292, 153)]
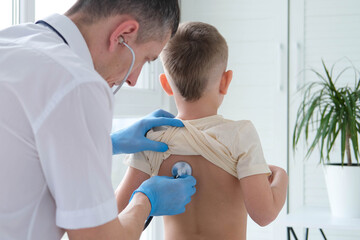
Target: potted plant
[(329, 115)]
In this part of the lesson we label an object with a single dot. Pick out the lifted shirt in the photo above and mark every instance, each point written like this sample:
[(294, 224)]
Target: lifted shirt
[(233, 146)]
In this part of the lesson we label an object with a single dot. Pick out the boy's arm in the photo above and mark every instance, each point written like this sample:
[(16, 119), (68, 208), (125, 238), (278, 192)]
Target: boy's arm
[(131, 181), (264, 195)]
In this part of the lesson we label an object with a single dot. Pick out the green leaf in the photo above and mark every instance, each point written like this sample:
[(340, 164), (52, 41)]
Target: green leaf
[(332, 140), (309, 115), (341, 73), (324, 125), (343, 139)]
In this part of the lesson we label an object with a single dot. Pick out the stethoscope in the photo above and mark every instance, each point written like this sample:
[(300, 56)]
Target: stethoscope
[(179, 168), (121, 41)]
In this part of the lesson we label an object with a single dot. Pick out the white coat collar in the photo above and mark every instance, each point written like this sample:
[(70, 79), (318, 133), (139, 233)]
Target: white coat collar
[(72, 34)]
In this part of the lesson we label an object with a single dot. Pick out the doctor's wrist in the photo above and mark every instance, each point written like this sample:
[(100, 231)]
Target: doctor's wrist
[(141, 200)]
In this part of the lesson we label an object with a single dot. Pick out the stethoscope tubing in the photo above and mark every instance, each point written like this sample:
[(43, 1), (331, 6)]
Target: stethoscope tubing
[(129, 71)]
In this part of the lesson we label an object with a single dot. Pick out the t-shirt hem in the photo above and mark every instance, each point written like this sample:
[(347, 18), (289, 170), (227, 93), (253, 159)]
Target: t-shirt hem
[(90, 217), (254, 170)]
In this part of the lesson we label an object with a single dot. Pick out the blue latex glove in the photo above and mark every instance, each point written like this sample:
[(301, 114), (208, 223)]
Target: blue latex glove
[(132, 139), (167, 195)]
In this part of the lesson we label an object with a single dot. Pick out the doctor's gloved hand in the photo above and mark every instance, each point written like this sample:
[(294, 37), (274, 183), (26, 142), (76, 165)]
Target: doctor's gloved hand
[(167, 195), (133, 140)]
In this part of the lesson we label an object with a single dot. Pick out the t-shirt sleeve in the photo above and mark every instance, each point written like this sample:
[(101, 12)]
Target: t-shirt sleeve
[(75, 152), (148, 161), (139, 161), (247, 148)]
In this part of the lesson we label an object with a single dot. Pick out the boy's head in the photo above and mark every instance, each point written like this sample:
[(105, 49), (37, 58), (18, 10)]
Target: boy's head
[(195, 58)]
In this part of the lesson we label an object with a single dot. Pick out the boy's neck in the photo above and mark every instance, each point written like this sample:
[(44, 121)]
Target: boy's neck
[(194, 110)]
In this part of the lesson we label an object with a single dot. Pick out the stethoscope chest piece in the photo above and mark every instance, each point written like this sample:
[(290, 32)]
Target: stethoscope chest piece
[(181, 168), (178, 169)]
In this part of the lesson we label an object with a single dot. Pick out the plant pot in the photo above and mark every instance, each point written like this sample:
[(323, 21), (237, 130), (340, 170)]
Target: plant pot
[(343, 189)]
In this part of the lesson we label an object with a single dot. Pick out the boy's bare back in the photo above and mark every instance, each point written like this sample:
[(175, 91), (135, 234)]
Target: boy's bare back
[(216, 211)]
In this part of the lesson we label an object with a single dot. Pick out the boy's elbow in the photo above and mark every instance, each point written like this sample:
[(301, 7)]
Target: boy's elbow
[(265, 218), (265, 221)]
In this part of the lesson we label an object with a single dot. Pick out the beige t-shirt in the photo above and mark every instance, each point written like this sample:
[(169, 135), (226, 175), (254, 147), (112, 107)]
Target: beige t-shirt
[(233, 146)]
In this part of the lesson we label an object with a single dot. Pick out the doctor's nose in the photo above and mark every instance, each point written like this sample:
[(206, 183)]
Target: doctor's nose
[(133, 77)]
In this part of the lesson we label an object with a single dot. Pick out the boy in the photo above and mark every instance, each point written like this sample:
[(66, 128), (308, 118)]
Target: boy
[(226, 157)]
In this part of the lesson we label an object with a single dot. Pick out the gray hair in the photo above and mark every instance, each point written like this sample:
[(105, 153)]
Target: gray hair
[(156, 17)]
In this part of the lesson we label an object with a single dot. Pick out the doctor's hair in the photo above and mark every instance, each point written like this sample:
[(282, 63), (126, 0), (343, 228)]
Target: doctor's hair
[(192, 56), (156, 17)]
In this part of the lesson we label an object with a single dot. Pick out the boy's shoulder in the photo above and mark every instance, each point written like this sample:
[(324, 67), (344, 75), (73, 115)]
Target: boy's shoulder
[(223, 130), (230, 131), (214, 125), (231, 125)]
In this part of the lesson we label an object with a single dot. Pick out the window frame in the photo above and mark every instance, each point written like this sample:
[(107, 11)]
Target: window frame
[(26, 11)]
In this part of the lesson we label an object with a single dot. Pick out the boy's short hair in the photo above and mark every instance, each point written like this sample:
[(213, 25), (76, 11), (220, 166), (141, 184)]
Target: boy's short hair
[(156, 17), (190, 56)]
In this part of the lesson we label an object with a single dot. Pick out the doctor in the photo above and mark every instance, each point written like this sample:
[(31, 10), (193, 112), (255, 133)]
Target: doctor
[(56, 109)]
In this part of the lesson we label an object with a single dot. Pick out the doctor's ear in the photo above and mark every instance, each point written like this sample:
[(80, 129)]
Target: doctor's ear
[(126, 31), (165, 84)]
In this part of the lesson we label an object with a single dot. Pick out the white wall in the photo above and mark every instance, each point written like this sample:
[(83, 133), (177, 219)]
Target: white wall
[(319, 29)]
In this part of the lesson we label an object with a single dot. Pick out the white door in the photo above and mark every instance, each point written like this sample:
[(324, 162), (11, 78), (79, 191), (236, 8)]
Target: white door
[(256, 32)]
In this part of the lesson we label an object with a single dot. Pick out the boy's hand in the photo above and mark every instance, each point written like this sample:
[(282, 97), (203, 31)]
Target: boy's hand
[(276, 172), (132, 139)]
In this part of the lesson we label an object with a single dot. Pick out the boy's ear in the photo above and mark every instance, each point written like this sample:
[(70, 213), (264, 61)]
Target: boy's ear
[(225, 81), (165, 84), (127, 30)]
